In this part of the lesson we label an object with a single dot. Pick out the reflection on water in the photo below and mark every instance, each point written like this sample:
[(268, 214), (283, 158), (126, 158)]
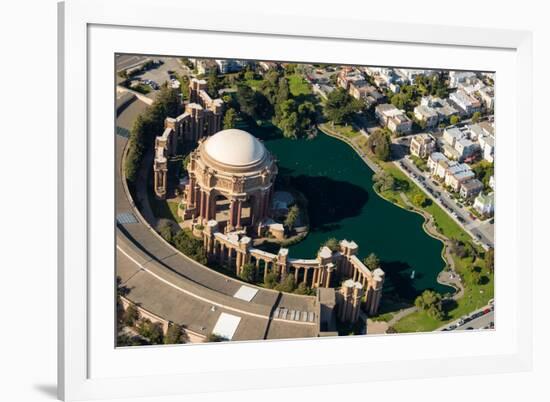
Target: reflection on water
[(343, 204)]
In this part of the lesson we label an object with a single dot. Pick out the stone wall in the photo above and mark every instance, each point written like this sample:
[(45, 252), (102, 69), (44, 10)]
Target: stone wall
[(235, 249)]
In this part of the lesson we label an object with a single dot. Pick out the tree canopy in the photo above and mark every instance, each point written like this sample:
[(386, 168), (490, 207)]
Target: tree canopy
[(432, 303), (340, 106), (147, 126), (292, 217), (380, 145), (372, 261)]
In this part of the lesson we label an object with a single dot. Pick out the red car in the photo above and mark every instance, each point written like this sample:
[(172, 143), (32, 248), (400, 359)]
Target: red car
[(487, 311)]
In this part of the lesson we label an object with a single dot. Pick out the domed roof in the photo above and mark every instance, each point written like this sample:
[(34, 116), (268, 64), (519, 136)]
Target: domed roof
[(234, 147)]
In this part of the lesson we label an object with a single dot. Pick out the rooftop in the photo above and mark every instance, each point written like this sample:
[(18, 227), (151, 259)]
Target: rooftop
[(234, 147)]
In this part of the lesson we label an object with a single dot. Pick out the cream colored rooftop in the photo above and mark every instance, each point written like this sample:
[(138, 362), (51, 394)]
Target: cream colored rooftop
[(234, 147)]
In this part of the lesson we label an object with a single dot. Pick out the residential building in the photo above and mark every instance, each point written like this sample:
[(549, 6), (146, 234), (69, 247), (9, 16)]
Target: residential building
[(487, 127), (466, 148), (485, 204), (368, 93), (393, 118), (230, 66), (456, 173), (267, 65), (455, 180), (487, 144), (452, 135), (438, 164), (427, 115), (422, 145), (441, 106), (408, 75), (348, 76), (487, 96), (466, 103), (206, 66), (459, 77), (470, 188)]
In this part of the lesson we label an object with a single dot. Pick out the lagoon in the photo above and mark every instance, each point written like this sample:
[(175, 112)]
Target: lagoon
[(344, 205)]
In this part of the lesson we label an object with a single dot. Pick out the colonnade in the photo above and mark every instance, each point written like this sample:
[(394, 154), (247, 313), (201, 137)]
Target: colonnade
[(235, 251)]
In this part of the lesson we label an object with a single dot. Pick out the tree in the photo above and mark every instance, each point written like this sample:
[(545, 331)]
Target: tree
[(131, 315), (174, 334), (384, 181), (490, 260), (287, 284), (432, 303), (216, 338), (151, 331), (475, 277), (475, 117), (454, 119), (249, 75), (288, 119), (185, 242), (270, 280), (292, 216), (483, 171), (248, 272), (283, 91), (303, 289), (147, 126), (372, 261), (246, 99), (333, 244), (419, 199), (229, 119), (213, 83), (165, 230), (379, 144), (340, 106)]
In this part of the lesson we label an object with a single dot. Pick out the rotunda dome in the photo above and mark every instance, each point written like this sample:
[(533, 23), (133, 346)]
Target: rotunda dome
[(234, 147)]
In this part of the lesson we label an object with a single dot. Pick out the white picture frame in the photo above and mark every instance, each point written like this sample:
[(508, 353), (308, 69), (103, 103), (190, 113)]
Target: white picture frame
[(89, 369)]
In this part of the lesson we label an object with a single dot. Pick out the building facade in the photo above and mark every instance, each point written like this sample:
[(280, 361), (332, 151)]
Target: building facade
[(202, 117), (231, 176)]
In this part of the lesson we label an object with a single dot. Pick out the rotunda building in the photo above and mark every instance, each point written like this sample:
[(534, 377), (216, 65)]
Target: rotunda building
[(231, 176)]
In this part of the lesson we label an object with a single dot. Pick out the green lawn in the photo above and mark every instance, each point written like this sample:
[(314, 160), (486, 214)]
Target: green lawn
[(298, 85), (475, 297), (347, 131)]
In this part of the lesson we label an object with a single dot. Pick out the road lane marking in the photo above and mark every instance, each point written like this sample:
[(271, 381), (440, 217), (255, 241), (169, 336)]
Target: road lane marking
[(202, 298)]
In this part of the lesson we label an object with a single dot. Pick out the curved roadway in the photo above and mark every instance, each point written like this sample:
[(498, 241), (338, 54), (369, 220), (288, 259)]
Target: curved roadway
[(165, 282)]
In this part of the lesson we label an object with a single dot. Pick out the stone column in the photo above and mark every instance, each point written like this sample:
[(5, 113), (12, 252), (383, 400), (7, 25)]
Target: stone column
[(239, 263), (327, 283), (191, 193), (232, 213), (239, 212), (296, 272)]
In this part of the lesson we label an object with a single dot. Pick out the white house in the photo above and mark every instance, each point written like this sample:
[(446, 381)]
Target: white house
[(459, 77), (422, 145), (465, 102), (426, 114), (485, 204)]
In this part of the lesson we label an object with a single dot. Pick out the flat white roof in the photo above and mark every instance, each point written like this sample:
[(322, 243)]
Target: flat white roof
[(245, 293), (226, 325)]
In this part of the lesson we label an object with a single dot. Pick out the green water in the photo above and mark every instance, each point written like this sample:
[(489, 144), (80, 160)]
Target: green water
[(343, 204)]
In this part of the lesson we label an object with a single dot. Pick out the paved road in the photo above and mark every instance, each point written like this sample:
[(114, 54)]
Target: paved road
[(125, 61), (483, 321), (176, 288), (482, 232)]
